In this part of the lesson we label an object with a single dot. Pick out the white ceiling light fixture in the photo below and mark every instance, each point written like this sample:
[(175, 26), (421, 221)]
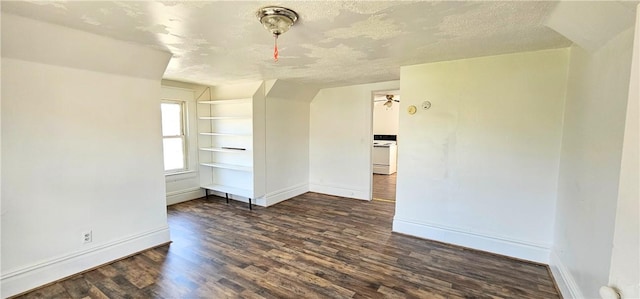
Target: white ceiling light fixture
[(277, 20)]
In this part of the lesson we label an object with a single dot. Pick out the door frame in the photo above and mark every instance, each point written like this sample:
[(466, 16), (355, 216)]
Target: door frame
[(371, 106)]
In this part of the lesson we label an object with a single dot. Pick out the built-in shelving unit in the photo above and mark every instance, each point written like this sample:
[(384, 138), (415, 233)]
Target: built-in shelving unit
[(223, 117), (228, 166), (226, 143), (230, 190), (227, 102), (222, 134), (223, 149)]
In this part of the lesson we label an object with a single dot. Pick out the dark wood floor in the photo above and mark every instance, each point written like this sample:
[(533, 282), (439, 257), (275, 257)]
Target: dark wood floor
[(311, 246), (384, 187)]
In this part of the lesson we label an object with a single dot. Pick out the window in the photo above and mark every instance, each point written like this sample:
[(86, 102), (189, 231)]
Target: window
[(173, 136)]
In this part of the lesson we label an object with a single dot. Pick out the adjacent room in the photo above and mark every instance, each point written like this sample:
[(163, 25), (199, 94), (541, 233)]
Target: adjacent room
[(320, 149)]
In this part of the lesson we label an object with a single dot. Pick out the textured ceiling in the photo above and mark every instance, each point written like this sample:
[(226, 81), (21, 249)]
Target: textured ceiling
[(334, 43)]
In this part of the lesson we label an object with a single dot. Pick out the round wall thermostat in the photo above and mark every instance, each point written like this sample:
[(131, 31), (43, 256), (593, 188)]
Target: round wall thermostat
[(426, 105), (412, 109)]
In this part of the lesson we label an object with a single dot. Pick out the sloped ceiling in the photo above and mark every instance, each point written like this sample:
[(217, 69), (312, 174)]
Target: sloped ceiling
[(591, 26), (26, 39), (334, 43)]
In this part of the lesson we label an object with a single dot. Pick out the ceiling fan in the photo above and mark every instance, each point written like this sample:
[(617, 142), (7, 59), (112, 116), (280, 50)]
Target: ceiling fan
[(389, 101)]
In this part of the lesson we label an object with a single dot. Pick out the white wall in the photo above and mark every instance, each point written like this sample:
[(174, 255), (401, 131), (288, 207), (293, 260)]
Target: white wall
[(287, 149), (340, 140), (479, 168), (82, 150), (259, 120), (594, 120), (625, 258), (386, 119), (287, 140), (185, 185)]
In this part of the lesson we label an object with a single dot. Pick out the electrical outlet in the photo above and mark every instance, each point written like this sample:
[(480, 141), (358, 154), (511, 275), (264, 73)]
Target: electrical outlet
[(87, 237)]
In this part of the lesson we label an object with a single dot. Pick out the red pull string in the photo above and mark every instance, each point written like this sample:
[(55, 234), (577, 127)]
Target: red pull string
[(275, 48)]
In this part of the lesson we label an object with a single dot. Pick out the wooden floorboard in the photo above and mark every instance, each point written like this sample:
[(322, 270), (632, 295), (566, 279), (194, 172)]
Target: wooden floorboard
[(384, 187), (311, 246)]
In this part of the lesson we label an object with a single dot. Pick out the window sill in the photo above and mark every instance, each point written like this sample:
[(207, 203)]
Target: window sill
[(169, 174)]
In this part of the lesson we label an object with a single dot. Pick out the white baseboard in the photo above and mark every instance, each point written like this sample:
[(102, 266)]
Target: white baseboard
[(564, 279), (31, 277), (275, 197), (339, 191), (184, 195), (500, 245)]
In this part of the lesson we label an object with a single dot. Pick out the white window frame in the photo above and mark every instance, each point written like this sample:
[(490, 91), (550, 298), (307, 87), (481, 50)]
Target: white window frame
[(184, 128)]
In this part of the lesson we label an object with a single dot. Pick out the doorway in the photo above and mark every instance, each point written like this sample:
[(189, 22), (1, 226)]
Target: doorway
[(386, 114)]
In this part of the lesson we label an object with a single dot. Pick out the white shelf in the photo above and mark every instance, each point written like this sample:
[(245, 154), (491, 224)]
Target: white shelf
[(223, 150), (221, 124), (230, 190), (233, 101), (223, 117), (224, 134), (228, 166)]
